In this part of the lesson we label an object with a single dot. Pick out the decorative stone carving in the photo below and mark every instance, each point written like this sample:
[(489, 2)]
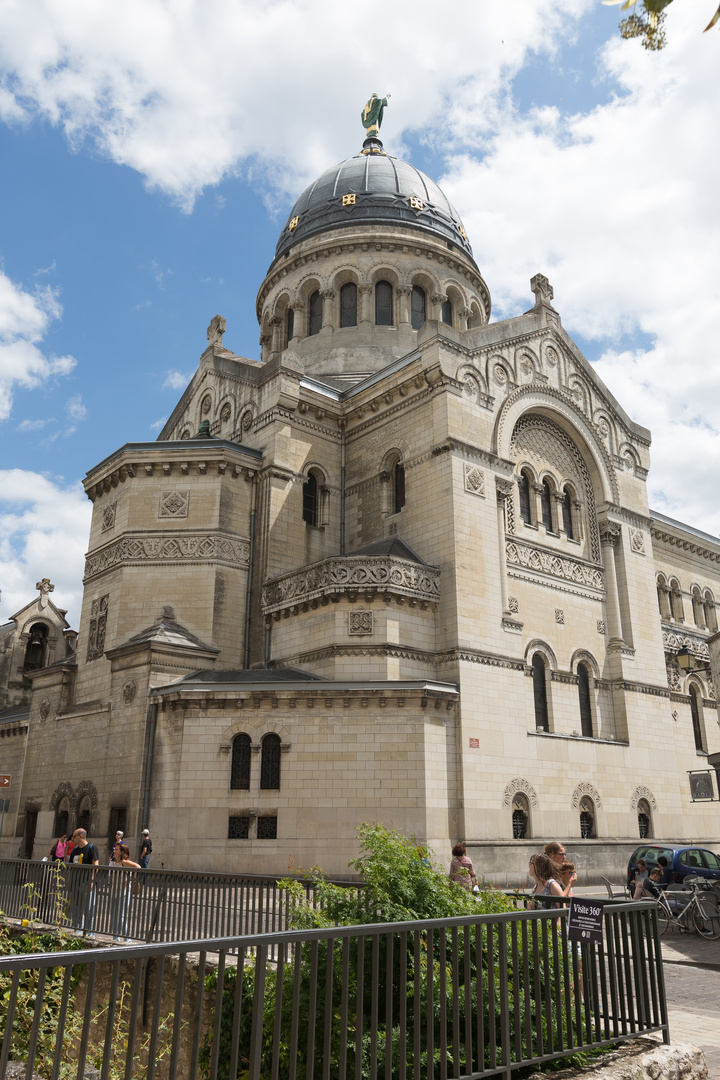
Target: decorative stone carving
[(610, 532), (226, 412), (674, 640), (559, 616), (642, 792), (215, 332), (360, 623), (513, 605), (174, 504), (518, 553), (98, 625), (582, 791), (637, 541), (500, 375), (601, 626), (474, 480), (108, 518), (185, 433), (522, 786), (86, 787), (247, 420), (168, 548), (353, 574), (44, 709), (129, 691), (674, 678), (551, 355)]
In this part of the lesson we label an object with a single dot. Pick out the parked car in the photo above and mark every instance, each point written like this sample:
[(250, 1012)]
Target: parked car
[(682, 862)]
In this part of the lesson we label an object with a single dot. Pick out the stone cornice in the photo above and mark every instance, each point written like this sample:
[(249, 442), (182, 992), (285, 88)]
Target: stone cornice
[(469, 450), (331, 651), (352, 575), (665, 534), (178, 458), (159, 548)]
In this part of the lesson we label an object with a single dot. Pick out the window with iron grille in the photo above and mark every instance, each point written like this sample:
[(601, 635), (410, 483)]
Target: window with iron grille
[(238, 827), (270, 763), (519, 824), (267, 828), (240, 768)]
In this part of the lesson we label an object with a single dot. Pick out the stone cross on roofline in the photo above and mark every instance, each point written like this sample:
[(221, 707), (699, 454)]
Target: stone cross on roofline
[(45, 587), (216, 329), (542, 288)]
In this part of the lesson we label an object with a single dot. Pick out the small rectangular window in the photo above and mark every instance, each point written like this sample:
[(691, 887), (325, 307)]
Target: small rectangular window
[(267, 828), (238, 827)]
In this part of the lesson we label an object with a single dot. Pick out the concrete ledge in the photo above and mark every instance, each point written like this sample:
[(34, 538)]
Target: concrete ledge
[(641, 1059)]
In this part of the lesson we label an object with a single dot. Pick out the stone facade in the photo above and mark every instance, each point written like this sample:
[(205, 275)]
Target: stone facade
[(403, 568)]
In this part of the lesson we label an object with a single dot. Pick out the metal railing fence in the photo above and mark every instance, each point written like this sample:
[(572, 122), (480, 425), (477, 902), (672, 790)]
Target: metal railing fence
[(469, 997), (145, 905)]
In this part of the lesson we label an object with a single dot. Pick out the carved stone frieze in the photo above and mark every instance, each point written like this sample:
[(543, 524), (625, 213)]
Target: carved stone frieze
[(352, 574), (673, 640), (521, 786), (360, 623), (168, 548), (108, 517), (174, 504), (518, 553), (637, 541)]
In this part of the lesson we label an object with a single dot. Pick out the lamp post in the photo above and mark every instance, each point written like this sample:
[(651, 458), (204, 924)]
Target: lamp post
[(686, 659)]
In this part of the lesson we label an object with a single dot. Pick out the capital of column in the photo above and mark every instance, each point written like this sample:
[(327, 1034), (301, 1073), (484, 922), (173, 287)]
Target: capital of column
[(327, 294), (503, 488), (609, 533), (404, 290), (364, 290)]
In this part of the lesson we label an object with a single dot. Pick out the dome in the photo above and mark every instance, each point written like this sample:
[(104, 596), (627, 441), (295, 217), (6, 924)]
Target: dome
[(383, 191)]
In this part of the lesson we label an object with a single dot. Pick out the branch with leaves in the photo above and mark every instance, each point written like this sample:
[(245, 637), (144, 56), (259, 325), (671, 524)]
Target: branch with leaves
[(647, 21)]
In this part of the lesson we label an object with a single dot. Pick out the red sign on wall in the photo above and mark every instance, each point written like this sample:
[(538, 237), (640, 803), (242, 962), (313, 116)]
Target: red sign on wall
[(474, 744)]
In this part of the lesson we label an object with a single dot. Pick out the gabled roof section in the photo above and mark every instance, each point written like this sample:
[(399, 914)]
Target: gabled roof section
[(59, 612), (249, 676), (391, 545), (168, 634)]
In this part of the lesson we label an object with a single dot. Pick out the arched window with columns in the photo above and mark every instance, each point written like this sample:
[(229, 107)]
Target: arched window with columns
[(418, 306), (586, 719), (546, 505), (710, 612), (315, 313), (696, 711), (348, 304), (384, 304), (663, 595), (524, 488), (698, 608), (676, 601)]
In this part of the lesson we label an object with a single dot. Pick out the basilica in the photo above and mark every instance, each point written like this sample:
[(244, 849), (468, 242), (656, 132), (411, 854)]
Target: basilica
[(400, 568)]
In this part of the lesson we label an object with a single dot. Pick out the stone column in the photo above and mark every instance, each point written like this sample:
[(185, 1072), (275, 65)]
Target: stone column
[(301, 318), (536, 504), (365, 293), (463, 316), (327, 296), (609, 538), (504, 490), (276, 324), (265, 340), (436, 303), (403, 293), (558, 500)]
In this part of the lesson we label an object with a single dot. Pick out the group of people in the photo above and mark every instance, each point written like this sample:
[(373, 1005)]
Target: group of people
[(73, 850), (78, 851), (552, 872)]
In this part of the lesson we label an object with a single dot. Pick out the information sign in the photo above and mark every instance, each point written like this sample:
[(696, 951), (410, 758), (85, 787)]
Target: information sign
[(585, 921), (5, 781)]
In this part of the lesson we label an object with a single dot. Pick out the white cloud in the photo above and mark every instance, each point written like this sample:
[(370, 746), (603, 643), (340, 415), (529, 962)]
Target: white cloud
[(159, 424), (74, 408), (617, 207), (24, 321), (176, 380), (44, 526), (189, 93), (34, 425)]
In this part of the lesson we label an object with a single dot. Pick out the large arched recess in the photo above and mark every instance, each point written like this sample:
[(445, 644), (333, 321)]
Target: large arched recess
[(555, 405)]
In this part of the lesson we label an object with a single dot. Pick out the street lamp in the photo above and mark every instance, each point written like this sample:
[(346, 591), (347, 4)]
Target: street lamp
[(685, 659)]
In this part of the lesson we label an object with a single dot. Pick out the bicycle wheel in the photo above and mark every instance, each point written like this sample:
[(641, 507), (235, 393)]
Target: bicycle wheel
[(707, 919), (663, 918)]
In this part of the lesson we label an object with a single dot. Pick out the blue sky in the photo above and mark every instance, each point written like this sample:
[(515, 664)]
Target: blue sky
[(149, 157)]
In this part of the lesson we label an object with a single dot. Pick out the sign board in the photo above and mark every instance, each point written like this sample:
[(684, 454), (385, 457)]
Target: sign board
[(585, 921), (5, 781), (474, 744), (701, 786)]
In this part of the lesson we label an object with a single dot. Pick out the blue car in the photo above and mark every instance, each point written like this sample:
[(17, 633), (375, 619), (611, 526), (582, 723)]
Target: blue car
[(682, 862)]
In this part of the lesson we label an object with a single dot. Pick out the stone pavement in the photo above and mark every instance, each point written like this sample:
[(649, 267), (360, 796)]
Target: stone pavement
[(692, 987)]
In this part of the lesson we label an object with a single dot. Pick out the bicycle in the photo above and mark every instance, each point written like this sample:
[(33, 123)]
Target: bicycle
[(705, 913)]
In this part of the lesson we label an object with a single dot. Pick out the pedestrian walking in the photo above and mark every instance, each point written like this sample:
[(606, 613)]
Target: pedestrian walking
[(119, 839), (122, 887), (541, 869), (145, 849), (555, 852), (59, 850)]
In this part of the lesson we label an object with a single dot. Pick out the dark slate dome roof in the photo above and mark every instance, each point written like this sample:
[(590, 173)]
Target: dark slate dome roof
[(383, 187)]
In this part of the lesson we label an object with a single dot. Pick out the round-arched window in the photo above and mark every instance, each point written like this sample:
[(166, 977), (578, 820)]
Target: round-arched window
[(315, 314), (539, 679), (36, 650), (644, 819), (62, 817), (83, 817), (587, 818), (520, 818), (417, 304), (348, 304)]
